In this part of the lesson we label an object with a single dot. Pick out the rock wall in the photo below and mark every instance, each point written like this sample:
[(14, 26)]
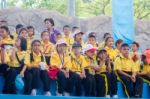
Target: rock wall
[(99, 24)]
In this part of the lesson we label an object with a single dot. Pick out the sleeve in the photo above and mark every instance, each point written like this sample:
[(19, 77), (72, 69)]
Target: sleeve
[(117, 64), (67, 63), (54, 61), (84, 63)]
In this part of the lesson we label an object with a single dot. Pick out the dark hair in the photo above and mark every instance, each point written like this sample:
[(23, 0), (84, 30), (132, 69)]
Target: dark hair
[(106, 35), (58, 34), (5, 28), (43, 33), (31, 27), (75, 27), (18, 26), (92, 36), (118, 41), (23, 29), (23, 43), (124, 45), (66, 26), (50, 20), (34, 41), (137, 44), (97, 55)]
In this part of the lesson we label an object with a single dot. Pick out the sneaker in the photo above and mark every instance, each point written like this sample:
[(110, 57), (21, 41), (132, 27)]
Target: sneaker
[(66, 94), (47, 93), (33, 92), (107, 96), (115, 96), (58, 94)]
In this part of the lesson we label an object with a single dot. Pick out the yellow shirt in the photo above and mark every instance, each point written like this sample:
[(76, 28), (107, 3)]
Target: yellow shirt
[(29, 41), (78, 63), (37, 59), (146, 69), (102, 69), (111, 52), (15, 35), (47, 49), (6, 57), (138, 62), (21, 55), (69, 40), (56, 62), (89, 62), (8, 40), (124, 64), (102, 45)]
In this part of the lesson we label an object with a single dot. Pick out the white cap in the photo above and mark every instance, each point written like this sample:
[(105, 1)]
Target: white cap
[(89, 47), (77, 32), (61, 41)]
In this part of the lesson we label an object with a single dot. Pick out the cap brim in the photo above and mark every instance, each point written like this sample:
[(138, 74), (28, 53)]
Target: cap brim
[(92, 50)]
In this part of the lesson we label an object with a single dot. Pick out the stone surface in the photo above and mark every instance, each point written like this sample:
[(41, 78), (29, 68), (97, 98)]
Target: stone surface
[(99, 24)]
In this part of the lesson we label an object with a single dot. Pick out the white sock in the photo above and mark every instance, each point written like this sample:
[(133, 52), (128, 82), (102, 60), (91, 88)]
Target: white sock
[(47, 93), (107, 96), (33, 92), (66, 94), (115, 96)]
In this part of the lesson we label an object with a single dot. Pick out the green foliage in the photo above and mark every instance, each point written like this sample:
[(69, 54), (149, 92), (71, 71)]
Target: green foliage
[(84, 8)]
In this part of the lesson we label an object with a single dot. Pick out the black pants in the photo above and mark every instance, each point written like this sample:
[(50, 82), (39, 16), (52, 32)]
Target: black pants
[(112, 83), (76, 81), (133, 88), (32, 80), (146, 77), (64, 84), (10, 74), (100, 85), (89, 84)]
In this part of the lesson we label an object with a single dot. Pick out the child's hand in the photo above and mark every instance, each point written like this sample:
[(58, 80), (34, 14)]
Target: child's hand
[(21, 74), (133, 78)]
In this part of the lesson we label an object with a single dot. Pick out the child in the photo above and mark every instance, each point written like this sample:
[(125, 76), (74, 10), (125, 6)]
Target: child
[(18, 28), (78, 37), (46, 46), (89, 81), (118, 44), (126, 70), (31, 32), (61, 61), (92, 40), (135, 54), (37, 69), (58, 36), (77, 69), (145, 72), (102, 44), (17, 65), (49, 23), (24, 33), (67, 37)]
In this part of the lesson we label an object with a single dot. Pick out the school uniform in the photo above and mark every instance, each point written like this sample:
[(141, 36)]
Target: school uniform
[(33, 75), (78, 65), (89, 81), (62, 63), (7, 41), (128, 66), (146, 70), (47, 49), (112, 53)]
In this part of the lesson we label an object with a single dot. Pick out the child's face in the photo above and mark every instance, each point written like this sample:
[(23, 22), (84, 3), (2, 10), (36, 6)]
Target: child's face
[(78, 37), (110, 42), (61, 48), (67, 30), (134, 47), (48, 25), (17, 42), (24, 33), (45, 36), (92, 40), (119, 45), (125, 51), (77, 50), (30, 32), (3, 33), (103, 56), (58, 37), (90, 54), (36, 47)]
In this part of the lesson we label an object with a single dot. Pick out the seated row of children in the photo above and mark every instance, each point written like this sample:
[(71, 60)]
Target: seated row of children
[(71, 62)]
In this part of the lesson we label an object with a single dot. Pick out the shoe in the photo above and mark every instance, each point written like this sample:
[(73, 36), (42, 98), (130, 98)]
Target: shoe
[(66, 94), (58, 94), (107, 96), (115, 96), (47, 93), (33, 92)]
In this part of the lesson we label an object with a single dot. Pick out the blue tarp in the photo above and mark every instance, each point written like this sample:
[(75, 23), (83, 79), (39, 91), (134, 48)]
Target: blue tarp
[(122, 20)]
